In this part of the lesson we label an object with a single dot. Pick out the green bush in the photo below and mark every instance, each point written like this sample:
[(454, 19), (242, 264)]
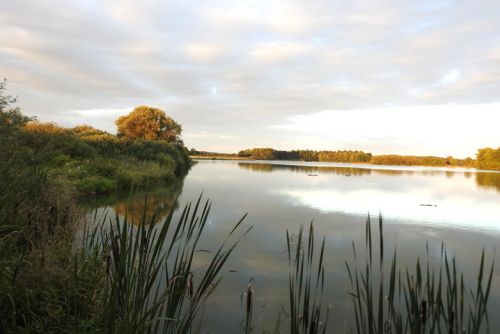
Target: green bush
[(60, 160), (96, 185), (103, 167)]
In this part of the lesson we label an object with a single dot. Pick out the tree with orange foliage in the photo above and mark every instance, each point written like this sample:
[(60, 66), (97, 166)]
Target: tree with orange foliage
[(148, 123)]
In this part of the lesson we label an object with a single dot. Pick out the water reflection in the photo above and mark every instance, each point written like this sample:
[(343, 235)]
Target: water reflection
[(280, 197), (310, 170), (483, 179), (488, 180), (159, 200)]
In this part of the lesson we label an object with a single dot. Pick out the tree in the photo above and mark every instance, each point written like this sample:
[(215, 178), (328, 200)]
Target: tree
[(148, 123), (488, 158), (10, 116)]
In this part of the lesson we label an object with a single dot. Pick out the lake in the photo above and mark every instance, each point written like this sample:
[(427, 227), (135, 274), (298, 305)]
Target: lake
[(457, 207)]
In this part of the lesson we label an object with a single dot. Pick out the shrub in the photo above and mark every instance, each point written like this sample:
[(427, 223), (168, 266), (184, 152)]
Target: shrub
[(96, 185)]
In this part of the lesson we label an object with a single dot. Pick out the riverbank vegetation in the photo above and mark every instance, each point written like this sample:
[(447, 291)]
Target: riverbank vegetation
[(96, 164), (91, 161)]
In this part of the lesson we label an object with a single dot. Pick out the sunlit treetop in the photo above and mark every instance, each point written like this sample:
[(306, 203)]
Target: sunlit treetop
[(148, 123), (42, 127)]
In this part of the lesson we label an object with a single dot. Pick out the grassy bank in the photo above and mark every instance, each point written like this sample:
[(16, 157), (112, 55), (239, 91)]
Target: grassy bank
[(86, 160), (95, 162)]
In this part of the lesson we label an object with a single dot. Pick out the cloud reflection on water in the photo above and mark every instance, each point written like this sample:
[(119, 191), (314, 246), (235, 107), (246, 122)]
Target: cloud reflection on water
[(421, 199)]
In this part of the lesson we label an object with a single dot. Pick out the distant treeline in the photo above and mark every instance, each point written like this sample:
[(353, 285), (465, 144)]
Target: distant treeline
[(487, 158), (306, 155), (411, 160), (195, 152)]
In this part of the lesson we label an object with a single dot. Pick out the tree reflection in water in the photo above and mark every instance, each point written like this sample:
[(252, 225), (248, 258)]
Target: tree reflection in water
[(483, 179), (488, 180), (159, 200)]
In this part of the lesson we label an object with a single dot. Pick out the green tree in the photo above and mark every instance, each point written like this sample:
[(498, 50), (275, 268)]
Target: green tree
[(10, 116), (148, 123), (11, 122)]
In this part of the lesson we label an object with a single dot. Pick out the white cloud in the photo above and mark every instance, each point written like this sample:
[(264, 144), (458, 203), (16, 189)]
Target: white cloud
[(108, 112), (103, 119), (275, 16), (270, 52), (435, 129), (451, 77), (203, 52)]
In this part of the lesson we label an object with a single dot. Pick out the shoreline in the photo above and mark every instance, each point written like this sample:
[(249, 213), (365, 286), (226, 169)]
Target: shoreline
[(363, 165), (218, 157)]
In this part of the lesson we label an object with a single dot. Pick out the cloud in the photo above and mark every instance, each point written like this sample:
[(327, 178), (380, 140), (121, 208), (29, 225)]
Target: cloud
[(203, 52), (271, 52), (237, 67), (277, 16), (451, 77), (417, 130)]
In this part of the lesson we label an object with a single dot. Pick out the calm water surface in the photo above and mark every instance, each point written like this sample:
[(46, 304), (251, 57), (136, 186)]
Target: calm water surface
[(456, 206)]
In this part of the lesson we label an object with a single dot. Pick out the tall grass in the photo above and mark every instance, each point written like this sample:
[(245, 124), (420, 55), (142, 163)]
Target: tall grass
[(422, 299), (41, 290), (306, 284), (150, 282)]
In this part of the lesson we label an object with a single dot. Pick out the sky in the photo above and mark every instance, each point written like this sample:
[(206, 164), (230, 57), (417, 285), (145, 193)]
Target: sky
[(406, 77)]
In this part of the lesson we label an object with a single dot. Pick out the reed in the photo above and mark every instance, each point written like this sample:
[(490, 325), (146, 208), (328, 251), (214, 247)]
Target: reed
[(150, 282), (422, 299), (306, 284)]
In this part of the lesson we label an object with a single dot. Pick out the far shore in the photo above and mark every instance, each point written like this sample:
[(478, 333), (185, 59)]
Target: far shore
[(360, 164), (218, 157)]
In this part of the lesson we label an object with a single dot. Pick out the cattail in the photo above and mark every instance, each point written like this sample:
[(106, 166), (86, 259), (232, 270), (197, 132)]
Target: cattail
[(249, 304), (423, 311), (249, 296), (451, 322), (312, 327), (108, 263), (189, 286)]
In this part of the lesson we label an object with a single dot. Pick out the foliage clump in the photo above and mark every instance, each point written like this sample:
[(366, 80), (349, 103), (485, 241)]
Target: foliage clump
[(148, 123), (489, 158)]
